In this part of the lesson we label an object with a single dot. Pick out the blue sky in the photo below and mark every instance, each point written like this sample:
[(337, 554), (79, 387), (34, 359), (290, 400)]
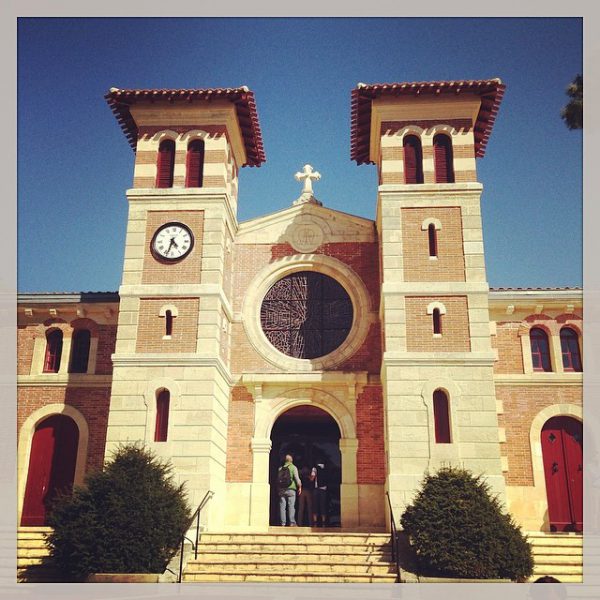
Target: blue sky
[(75, 164)]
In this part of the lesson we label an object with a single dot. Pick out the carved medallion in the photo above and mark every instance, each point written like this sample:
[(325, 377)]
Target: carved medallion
[(306, 237)]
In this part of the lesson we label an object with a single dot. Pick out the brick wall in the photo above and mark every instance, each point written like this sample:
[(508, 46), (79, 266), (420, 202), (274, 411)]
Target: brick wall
[(151, 327), (187, 270), (455, 325), (362, 258), (92, 403), (508, 343), (370, 459), (521, 404), (25, 344), (107, 337), (450, 263), (239, 435)]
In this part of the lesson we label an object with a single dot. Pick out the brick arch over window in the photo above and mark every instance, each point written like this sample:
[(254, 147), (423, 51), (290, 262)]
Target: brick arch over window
[(443, 158)]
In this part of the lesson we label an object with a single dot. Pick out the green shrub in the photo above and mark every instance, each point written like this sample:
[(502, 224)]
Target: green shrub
[(128, 518), (456, 528)]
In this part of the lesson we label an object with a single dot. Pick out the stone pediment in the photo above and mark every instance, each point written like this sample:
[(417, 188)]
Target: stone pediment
[(305, 227)]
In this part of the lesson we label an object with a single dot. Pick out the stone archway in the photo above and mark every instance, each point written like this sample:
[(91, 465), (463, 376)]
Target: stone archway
[(312, 437)]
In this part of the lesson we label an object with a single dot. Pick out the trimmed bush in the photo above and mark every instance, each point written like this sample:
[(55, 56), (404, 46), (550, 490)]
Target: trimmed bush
[(456, 528), (128, 518)]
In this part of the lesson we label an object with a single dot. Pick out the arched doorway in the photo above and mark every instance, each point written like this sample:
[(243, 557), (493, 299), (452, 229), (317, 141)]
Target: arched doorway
[(311, 436), (562, 450), (51, 466)]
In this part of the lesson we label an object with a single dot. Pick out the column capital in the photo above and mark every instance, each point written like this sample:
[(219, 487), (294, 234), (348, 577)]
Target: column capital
[(261, 445)]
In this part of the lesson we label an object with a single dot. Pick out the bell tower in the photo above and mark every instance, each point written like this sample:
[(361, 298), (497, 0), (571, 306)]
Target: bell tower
[(171, 380), (437, 368)]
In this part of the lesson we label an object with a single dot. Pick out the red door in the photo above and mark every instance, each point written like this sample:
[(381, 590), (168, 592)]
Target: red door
[(562, 449), (51, 466)]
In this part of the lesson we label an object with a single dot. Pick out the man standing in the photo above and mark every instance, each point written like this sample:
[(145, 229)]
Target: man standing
[(288, 482), (320, 495)]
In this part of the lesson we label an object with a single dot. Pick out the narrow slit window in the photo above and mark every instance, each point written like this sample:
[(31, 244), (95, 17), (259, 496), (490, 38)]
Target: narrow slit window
[(437, 321), (413, 159), (569, 343), (194, 164), (441, 417), (54, 344), (432, 233), (80, 351), (168, 323), (540, 350), (163, 399), (165, 165), (443, 159)]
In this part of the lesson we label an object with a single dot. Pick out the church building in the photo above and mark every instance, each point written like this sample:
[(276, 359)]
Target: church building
[(373, 346)]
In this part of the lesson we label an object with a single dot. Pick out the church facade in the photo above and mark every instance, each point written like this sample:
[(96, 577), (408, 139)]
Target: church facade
[(374, 346)]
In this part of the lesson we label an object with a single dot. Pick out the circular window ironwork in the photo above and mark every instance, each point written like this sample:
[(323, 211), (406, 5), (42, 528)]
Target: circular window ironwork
[(306, 315)]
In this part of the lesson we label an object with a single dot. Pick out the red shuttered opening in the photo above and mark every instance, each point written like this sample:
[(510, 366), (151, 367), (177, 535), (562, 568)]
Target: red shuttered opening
[(442, 159), (441, 417), (54, 344), (569, 344), (165, 164), (194, 164), (540, 350), (432, 234), (413, 159), (162, 416)]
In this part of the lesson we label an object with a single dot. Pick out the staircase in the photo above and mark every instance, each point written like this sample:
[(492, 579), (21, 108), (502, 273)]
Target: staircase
[(299, 556), (557, 554), (32, 556)]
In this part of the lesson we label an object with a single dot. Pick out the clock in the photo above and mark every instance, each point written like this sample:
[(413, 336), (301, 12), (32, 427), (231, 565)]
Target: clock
[(172, 241)]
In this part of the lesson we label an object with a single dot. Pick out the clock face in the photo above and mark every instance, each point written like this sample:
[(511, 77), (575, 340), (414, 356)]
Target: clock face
[(172, 241)]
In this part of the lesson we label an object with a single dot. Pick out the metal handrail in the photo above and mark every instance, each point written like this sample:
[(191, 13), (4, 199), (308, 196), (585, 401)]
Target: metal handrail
[(184, 537), (394, 539)]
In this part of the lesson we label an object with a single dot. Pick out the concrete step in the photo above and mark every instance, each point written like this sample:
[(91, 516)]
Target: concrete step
[(286, 577), (234, 556), (556, 539), (292, 548), (291, 537), (558, 550), (298, 568), (30, 544)]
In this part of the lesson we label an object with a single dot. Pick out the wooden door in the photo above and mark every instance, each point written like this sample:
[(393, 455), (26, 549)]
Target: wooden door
[(562, 449), (51, 467)]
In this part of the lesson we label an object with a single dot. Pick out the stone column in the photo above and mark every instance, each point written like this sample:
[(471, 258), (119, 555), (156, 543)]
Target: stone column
[(349, 487), (260, 493)]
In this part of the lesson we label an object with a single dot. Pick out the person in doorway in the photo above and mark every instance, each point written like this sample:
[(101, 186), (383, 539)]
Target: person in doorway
[(288, 485), (319, 495), (305, 500)]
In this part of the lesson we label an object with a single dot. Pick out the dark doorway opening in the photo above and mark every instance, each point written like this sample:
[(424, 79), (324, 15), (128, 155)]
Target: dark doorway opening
[(311, 436)]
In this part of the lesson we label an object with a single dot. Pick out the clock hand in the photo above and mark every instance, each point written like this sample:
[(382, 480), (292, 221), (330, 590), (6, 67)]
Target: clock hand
[(169, 248)]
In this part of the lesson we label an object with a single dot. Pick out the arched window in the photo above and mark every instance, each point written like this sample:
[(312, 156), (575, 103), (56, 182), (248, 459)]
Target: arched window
[(437, 321), (442, 159), (168, 323), (413, 159), (80, 351), (540, 350), (441, 417), (165, 165), (432, 234), (54, 343), (194, 164), (162, 415), (569, 343)]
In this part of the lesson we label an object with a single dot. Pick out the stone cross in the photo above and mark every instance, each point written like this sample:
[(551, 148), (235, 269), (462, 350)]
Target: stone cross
[(308, 175)]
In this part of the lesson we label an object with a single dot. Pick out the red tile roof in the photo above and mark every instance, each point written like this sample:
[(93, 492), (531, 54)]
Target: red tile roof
[(120, 100), (490, 90)]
